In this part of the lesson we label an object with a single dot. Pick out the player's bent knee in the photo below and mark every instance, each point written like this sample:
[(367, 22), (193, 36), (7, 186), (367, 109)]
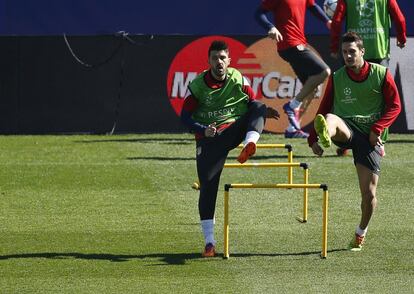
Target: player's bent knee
[(326, 73), (321, 77), (330, 117)]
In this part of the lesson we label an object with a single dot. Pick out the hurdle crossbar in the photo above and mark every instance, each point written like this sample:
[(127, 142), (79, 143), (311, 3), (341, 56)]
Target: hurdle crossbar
[(283, 164), (324, 187), (285, 146), (196, 184), (263, 164)]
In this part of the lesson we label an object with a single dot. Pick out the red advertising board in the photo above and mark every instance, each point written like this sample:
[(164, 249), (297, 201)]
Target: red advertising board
[(271, 78)]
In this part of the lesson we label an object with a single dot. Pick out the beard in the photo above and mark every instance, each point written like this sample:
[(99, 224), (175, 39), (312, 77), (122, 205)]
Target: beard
[(219, 72)]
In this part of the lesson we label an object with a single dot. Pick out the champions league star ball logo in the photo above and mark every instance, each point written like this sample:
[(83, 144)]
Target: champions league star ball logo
[(348, 96), (271, 78), (366, 8), (209, 100)]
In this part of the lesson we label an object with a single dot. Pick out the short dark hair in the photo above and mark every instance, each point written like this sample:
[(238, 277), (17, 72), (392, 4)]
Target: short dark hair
[(350, 37), (218, 45)]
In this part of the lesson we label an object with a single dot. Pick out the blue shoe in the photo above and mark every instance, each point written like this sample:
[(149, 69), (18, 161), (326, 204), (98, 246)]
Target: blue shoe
[(296, 134), (290, 112)]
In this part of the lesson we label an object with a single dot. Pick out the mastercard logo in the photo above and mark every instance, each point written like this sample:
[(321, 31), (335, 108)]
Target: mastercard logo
[(271, 78)]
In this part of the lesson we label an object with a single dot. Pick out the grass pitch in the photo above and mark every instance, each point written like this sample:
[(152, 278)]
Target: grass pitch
[(116, 214)]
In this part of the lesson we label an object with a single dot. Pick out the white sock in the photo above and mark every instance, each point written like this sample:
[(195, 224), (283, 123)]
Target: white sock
[(291, 129), (251, 136), (294, 103), (361, 232), (207, 226)]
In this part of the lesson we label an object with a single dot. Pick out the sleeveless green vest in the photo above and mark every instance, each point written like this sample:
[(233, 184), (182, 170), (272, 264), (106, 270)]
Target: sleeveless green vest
[(222, 105), (370, 19), (360, 104)]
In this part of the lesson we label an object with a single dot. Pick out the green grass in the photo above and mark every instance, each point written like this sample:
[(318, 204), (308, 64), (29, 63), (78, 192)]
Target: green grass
[(116, 214)]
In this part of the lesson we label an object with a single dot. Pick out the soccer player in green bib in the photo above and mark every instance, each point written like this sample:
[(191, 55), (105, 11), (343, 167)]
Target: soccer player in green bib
[(371, 20), (361, 101), (220, 108)]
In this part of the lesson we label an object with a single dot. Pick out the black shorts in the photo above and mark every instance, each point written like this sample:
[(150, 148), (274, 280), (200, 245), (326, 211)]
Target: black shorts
[(305, 63), (362, 150)]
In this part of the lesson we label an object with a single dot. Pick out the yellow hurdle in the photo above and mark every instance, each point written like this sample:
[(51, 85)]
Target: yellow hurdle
[(227, 187), (276, 146), (196, 184), (283, 164)]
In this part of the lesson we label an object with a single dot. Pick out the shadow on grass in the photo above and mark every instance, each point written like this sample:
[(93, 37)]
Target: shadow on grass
[(175, 141), (284, 254), (161, 158), (399, 141), (165, 258)]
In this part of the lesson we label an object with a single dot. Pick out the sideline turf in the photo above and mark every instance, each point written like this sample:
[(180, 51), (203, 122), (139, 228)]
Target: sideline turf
[(116, 214)]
